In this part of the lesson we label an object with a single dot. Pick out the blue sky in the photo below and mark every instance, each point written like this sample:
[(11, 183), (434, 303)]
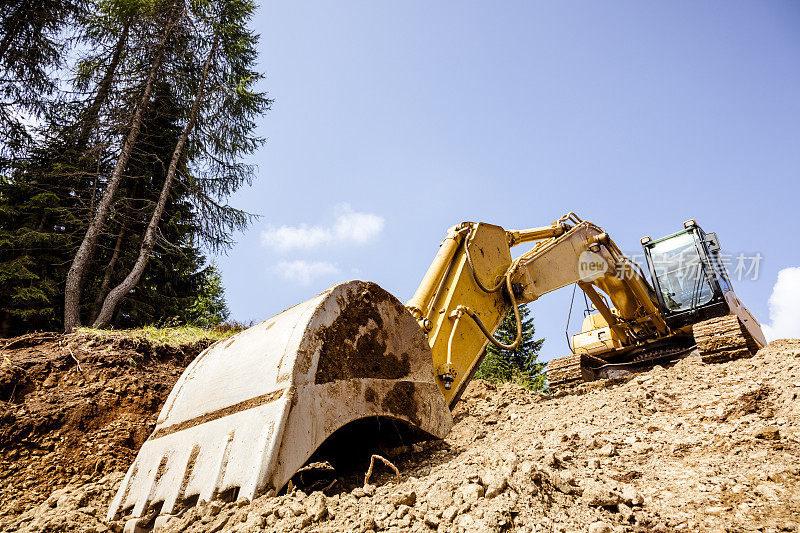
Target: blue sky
[(394, 120)]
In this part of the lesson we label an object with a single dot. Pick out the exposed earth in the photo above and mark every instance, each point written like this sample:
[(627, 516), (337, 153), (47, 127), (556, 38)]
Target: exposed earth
[(694, 447)]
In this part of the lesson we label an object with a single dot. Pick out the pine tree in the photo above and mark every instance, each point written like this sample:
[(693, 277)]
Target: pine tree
[(209, 307), (220, 104), (120, 136), (521, 365), (31, 48)]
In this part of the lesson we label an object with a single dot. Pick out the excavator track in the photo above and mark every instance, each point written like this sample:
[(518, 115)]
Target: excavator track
[(567, 372), (723, 339)]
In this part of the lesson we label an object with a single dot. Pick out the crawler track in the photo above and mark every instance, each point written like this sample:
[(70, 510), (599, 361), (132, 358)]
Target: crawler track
[(717, 340), (566, 372), (723, 339)]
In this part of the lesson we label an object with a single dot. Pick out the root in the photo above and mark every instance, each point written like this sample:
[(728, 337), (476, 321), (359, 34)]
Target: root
[(386, 461)]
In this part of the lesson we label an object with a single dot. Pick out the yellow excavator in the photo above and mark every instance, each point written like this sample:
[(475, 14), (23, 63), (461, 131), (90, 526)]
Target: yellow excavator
[(252, 409)]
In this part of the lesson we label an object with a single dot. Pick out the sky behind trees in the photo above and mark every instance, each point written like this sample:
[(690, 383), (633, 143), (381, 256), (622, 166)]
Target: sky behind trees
[(394, 121)]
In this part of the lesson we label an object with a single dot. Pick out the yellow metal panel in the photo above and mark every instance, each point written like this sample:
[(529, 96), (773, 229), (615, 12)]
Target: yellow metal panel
[(491, 258)]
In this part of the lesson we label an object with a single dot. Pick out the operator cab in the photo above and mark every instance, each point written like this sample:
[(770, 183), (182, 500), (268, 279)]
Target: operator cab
[(688, 275)]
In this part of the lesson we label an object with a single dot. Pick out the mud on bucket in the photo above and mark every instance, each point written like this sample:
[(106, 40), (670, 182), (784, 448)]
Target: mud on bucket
[(252, 409)]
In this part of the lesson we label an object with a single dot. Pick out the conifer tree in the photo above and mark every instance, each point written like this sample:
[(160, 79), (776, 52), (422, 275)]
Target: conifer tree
[(521, 365)]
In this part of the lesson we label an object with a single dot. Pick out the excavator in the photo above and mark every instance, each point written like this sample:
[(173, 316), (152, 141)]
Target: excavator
[(253, 409)]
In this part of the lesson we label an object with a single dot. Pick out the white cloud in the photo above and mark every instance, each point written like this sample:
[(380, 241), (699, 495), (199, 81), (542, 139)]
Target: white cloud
[(784, 306), (350, 227), (304, 272)]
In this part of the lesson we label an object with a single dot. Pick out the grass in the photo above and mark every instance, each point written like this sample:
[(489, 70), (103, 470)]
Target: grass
[(169, 336)]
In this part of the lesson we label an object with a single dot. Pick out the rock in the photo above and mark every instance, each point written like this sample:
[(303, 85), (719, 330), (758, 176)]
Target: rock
[(766, 492), (214, 508), (369, 489), (625, 512), (631, 496), (255, 521), (471, 492), (767, 433), (609, 450), (496, 485), (368, 524), (563, 458), (551, 460), (641, 448), (440, 497), (432, 520), (564, 482), (405, 498), (475, 478), (600, 527), (450, 513), (71, 501), (594, 463), (597, 495), (316, 506)]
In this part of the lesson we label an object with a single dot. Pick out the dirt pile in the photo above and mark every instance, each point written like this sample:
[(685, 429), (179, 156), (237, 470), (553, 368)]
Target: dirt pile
[(697, 447), (77, 407)]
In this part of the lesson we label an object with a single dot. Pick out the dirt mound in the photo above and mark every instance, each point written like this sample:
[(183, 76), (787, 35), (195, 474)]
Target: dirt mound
[(697, 447), (76, 407)]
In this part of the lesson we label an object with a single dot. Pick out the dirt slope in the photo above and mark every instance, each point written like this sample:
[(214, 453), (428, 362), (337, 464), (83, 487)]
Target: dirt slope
[(694, 447), (75, 407)]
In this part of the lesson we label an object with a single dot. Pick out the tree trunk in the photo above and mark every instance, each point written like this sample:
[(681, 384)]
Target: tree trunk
[(132, 279), (77, 271), (103, 90), (101, 294)]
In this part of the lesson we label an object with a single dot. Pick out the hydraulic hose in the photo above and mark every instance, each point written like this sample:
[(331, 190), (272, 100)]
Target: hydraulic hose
[(486, 332)]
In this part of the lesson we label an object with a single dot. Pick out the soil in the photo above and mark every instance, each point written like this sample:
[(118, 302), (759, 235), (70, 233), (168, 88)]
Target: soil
[(354, 345), (694, 447), (76, 407)]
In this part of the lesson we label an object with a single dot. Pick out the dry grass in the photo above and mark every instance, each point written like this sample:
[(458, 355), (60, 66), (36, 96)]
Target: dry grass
[(172, 336)]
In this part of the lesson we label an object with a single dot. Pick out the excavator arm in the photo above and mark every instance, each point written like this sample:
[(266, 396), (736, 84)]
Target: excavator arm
[(473, 283)]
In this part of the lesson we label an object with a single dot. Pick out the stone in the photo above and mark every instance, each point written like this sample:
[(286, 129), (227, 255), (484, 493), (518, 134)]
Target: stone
[(625, 512), (599, 527), (316, 506), (440, 497), (767, 433), (214, 508), (496, 485), (641, 448), (72, 501), (471, 492), (432, 520), (450, 513), (631, 496), (367, 523), (600, 495), (609, 450), (766, 492), (564, 482), (405, 498)]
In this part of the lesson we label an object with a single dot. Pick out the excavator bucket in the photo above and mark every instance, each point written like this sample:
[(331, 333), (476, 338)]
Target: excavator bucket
[(251, 410)]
